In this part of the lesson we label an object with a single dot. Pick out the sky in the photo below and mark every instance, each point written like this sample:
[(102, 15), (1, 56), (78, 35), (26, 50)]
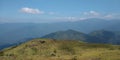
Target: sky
[(42, 11)]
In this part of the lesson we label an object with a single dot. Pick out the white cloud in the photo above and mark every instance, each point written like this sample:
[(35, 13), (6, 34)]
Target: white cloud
[(31, 10), (69, 18), (91, 13), (94, 14), (109, 16), (112, 16)]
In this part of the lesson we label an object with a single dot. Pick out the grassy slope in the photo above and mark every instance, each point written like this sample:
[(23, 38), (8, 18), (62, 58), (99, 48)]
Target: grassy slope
[(48, 49)]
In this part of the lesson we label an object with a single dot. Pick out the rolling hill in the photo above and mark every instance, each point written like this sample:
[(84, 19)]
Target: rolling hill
[(67, 35), (50, 49), (100, 36)]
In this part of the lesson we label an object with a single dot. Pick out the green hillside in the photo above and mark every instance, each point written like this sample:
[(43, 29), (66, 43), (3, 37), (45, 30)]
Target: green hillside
[(51, 49), (99, 36), (67, 35)]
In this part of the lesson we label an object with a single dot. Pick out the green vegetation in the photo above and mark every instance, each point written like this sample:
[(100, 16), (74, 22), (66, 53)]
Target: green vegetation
[(99, 36), (50, 49), (67, 35)]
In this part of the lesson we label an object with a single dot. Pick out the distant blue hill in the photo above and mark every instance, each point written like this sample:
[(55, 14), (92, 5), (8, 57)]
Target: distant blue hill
[(19, 32), (100, 36), (67, 35)]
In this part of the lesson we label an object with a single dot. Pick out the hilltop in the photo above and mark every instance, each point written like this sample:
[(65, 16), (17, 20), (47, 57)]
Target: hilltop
[(67, 35), (99, 36), (51, 49)]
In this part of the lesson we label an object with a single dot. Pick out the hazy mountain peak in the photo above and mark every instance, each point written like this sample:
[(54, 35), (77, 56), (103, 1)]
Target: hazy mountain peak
[(67, 35), (70, 30)]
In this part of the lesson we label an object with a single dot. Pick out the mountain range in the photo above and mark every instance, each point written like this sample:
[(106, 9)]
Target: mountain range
[(100, 36), (12, 33)]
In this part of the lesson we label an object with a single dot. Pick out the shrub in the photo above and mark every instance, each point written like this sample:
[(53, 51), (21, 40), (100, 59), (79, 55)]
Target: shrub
[(1, 53), (74, 58), (34, 51), (67, 48)]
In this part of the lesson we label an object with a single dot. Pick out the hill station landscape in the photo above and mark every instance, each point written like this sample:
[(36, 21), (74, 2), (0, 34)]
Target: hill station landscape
[(59, 30)]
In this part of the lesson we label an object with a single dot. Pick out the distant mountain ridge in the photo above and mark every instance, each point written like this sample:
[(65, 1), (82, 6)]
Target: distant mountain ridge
[(101, 36), (19, 32), (67, 35)]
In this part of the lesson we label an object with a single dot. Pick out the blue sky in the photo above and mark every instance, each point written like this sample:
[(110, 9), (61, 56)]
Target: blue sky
[(57, 10)]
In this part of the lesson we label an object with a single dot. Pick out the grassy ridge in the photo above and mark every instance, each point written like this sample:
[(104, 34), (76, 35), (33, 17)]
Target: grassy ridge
[(49, 49)]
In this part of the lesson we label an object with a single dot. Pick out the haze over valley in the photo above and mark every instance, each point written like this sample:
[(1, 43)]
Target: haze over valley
[(59, 30)]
